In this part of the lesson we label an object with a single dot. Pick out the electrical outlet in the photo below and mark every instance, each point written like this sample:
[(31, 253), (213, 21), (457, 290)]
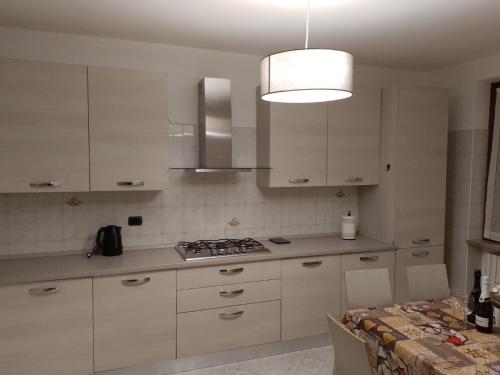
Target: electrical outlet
[(134, 221)]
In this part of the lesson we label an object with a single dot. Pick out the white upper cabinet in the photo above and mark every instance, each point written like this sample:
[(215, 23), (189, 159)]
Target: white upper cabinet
[(43, 127), (354, 139), (291, 141), (128, 127)]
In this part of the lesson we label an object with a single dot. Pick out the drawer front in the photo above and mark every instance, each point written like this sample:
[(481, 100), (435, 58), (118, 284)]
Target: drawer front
[(228, 274), (46, 328), (216, 330), (228, 295), (134, 319), (414, 257), (381, 259), (311, 288)]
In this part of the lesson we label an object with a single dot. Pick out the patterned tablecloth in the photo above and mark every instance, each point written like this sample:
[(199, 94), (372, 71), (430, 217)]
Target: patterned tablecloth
[(423, 338)]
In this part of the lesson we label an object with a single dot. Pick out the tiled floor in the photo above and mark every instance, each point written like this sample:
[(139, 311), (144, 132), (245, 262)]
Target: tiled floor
[(318, 361)]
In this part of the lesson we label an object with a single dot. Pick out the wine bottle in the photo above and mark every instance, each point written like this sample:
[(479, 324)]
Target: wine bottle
[(484, 311), (474, 297)]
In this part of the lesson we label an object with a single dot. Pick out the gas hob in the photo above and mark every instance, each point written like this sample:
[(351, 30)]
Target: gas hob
[(206, 249)]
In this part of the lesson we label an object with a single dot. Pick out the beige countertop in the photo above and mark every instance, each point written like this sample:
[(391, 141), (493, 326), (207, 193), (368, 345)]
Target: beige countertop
[(57, 267), (487, 245)]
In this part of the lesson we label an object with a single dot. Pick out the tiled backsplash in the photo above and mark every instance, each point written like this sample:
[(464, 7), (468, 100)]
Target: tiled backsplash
[(193, 206), (466, 181)]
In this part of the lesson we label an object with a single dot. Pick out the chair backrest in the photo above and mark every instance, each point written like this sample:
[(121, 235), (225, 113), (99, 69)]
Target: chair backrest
[(351, 357), (368, 288), (427, 282)]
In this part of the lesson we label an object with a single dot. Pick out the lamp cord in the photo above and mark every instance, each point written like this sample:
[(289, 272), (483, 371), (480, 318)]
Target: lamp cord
[(307, 24)]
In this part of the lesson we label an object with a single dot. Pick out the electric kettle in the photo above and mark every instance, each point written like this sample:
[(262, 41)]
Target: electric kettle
[(108, 241)]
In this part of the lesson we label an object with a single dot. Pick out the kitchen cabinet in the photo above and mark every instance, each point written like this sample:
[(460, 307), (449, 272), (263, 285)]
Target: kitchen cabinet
[(46, 328), (292, 142), (128, 129), (413, 257), (134, 319), (310, 289), (377, 259), (408, 206), (354, 139), (43, 127)]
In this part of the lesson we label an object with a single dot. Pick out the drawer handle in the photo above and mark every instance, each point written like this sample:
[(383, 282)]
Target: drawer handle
[(231, 271), (372, 258), (130, 183), (354, 179), (134, 282), (420, 254), (298, 180), (231, 316), (231, 293), (421, 241), (44, 291), (46, 184), (315, 263)]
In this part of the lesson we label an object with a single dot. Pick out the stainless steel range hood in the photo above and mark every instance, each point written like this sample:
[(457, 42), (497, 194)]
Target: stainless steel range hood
[(215, 132)]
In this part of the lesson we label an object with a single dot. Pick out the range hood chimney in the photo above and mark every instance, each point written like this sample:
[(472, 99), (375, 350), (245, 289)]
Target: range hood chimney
[(215, 131)]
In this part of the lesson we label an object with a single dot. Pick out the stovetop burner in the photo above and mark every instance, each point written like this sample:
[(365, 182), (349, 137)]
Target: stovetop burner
[(204, 249)]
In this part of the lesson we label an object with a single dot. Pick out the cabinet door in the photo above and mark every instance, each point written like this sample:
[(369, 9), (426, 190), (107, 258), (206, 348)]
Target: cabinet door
[(46, 328), (414, 257), (43, 127), (379, 259), (310, 289), (354, 139), (421, 167), (298, 144), (128, 129), (134, 319)]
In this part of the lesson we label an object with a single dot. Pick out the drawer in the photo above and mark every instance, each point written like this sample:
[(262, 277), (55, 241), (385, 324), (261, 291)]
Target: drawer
[(227, 328), (311, 288), (379, 259), (228, 274), (228, 295), (414, 257)]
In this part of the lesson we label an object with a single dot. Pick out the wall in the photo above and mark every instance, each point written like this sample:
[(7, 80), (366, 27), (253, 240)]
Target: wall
[(193, 206), (469, 85)]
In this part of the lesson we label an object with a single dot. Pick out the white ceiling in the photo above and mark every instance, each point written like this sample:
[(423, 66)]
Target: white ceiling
[(414, 34)]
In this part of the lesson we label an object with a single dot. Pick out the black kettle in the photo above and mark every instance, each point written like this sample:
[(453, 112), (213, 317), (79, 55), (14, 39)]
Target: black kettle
[(108, 241)]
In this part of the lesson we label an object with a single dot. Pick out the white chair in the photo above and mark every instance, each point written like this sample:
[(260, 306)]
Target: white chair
[(427, 282), (351, 356), (368, 288)]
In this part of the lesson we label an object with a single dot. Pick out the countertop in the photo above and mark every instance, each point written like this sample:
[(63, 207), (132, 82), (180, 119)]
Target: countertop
[(36, 269), (487, 245)]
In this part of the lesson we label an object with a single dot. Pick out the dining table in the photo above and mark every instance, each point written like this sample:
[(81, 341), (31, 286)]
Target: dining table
[(424, 337)]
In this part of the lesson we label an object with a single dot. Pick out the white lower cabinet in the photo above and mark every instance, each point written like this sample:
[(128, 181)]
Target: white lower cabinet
[(46, 328), (414, 257), (134, 319), (311, 288), (377, 259), (227, 328)]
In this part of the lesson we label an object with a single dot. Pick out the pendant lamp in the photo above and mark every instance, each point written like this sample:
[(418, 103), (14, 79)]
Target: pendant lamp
[(308, 75)]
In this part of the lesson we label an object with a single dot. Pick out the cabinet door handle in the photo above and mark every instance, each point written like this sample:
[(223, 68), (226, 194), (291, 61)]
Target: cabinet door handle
[(46, 184), (421, 254), (130, 183), (44, 291), (231, 271), (354, 179), (315, 263), (134, 282), (421, 241), (372, 258), (230, 316), (231, 293), (298, 180)]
